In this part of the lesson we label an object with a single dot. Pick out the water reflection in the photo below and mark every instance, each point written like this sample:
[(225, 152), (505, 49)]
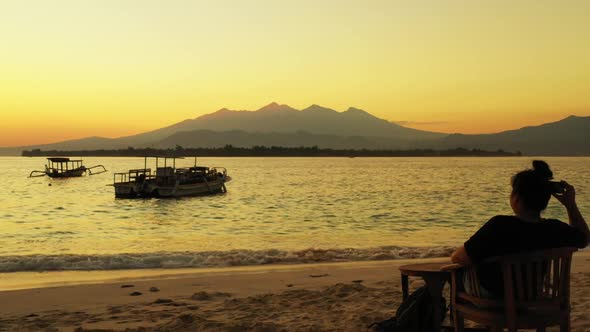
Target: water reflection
[(281, 203)]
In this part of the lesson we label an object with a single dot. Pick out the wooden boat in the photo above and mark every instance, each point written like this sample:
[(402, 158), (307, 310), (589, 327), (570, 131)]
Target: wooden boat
[(58, 167), (169, 181)]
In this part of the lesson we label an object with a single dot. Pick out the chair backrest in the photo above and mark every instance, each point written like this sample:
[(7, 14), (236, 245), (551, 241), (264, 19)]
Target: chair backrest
[(539, 279)]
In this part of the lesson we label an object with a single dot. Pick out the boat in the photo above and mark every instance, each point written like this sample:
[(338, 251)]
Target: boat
[(168, 181), (59, 167)]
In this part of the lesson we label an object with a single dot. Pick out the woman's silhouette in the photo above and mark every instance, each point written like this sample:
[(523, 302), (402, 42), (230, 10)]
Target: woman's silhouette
[(525, 230)]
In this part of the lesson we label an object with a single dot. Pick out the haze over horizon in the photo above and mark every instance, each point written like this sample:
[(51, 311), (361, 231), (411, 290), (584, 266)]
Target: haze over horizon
[(74, 69)]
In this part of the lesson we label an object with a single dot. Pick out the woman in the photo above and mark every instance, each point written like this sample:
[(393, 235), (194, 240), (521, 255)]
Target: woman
[(526, 230)]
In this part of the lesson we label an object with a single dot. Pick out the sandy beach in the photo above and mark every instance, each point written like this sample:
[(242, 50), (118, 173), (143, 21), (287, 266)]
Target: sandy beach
[(310, 297)]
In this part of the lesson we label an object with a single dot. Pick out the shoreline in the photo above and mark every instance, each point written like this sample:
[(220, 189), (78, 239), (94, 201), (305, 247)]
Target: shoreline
[(343, 296), (23, 280), (212, 258), (14, 281)]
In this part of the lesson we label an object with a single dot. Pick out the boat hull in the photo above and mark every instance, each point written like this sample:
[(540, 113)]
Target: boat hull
[(126, 190), (195, 189), (146, 190), (67, 174)]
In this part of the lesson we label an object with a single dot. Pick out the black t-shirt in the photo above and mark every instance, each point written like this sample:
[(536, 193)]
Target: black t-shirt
[(503, 235)]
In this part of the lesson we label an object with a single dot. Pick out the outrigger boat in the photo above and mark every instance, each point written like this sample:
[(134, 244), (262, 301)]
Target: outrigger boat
[(66, 168), (169, 181)]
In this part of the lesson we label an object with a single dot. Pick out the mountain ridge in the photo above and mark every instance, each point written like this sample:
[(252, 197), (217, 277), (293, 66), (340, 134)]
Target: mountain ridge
[(275, 117), (281, 124), (569, 136)]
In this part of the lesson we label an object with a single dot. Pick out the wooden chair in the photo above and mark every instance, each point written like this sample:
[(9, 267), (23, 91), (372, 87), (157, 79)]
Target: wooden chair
[(536, 292)]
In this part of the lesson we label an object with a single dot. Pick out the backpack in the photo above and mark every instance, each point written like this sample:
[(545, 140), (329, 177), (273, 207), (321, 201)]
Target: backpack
[(415, 314)]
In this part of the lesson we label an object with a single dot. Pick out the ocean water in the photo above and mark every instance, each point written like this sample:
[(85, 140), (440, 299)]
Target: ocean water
[(276, 210)]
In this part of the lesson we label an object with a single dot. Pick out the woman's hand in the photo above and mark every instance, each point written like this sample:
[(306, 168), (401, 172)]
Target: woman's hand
[(568, 197)]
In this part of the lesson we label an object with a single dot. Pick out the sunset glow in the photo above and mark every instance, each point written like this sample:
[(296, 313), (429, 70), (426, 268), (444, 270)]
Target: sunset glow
[(73, 69)]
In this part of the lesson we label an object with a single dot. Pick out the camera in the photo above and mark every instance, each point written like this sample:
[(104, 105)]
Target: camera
[(557, 187)]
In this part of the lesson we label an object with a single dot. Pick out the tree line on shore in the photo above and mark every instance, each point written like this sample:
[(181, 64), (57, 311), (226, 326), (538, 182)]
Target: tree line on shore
[(264, 151)]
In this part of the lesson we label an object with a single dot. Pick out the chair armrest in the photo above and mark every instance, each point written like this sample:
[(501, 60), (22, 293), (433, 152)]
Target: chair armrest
[(452, 267)]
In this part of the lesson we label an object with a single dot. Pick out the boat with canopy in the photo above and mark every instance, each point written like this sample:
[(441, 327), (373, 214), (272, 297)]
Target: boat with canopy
[(60, 167), (170, 181)]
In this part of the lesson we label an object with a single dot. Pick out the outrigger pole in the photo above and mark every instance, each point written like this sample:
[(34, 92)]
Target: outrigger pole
[(38, 175), (89, 169)]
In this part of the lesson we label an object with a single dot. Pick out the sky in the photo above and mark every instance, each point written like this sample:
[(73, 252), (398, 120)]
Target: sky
[(111, 68)]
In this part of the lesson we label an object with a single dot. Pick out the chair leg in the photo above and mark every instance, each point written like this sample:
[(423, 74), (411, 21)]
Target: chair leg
[(458, 321), (565, 324)]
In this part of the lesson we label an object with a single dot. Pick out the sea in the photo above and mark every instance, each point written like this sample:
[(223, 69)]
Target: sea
[(277, 210)]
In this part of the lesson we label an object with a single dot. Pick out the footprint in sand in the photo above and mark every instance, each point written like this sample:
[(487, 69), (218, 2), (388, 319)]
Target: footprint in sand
[(136, 294), (318, 275), (204, 296), (201, 296), (161, 301), (115, 310)]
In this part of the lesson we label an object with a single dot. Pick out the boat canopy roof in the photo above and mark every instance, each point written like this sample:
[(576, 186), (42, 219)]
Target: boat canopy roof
[(167, 157), (61, 159)]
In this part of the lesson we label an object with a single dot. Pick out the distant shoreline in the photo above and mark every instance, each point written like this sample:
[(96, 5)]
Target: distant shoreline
[(273, 151)]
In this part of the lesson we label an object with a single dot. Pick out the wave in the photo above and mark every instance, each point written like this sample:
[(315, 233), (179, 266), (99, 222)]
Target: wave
[(236, 257)]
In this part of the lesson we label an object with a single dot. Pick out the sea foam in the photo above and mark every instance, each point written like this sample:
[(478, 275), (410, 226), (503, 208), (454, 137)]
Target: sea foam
[(211, 258)]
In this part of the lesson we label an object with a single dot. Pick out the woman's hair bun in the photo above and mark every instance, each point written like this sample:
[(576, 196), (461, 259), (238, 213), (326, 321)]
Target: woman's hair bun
[(542, 168)]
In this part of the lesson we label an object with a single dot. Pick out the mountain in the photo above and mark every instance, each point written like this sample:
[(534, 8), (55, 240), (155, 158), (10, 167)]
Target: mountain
[(275, 118), (282, 125), (570, 136), (89, 143), (272, 118)]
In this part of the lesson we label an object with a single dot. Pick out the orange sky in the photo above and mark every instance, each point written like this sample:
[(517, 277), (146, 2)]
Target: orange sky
[(71, 69)]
